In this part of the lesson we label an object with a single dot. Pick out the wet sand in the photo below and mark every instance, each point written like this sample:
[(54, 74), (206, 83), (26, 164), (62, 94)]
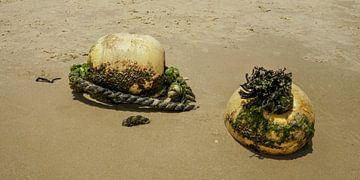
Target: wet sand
[(46, 132)]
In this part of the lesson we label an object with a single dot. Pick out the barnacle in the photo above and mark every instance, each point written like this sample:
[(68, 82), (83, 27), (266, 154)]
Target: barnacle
[(127, 62)]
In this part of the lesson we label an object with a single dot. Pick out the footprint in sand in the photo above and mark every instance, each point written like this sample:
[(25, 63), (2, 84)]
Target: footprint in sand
[(317, 59), (63, 57)]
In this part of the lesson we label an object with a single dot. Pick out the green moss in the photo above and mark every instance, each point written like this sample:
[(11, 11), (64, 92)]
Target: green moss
[(172, 74), (178, 88), (252, 124), (81, 70)]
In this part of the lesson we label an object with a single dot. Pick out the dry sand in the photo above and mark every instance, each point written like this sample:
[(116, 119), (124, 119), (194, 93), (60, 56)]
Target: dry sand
[(47, 133)]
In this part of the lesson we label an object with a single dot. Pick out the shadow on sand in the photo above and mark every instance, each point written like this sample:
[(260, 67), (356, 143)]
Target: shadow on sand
[(307, 149)]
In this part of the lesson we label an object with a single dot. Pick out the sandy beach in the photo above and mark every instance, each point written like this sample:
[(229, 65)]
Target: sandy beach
[(47, 132)]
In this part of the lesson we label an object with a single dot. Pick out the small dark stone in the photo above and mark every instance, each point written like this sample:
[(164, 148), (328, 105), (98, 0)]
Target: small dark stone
[(135, 120)]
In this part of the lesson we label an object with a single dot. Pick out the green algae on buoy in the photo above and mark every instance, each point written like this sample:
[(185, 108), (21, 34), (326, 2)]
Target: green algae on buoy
[(270, 114)]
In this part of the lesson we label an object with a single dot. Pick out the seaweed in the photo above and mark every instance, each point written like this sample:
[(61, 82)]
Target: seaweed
[(253, 125), (178, 90), (83, 70), (268, 88), (135, 120)]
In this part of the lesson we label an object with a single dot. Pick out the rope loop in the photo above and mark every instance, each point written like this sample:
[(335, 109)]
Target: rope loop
[(179, 96)]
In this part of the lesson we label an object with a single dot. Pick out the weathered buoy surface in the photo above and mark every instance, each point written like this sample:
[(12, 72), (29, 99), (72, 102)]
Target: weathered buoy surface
[(279, 122), (127, 62)]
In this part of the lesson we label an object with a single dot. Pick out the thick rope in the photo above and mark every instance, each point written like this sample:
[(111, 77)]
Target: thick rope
[(80, 85)]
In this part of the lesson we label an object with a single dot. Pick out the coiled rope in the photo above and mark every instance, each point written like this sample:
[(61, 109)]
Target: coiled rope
[(80, 85)]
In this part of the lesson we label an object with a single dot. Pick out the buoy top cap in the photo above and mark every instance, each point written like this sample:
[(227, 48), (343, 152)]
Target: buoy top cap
[(120, 47)]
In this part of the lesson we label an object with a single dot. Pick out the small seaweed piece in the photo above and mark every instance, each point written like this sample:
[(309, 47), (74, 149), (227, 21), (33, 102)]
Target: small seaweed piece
[(268, 88), (135, 120), (41, 79)]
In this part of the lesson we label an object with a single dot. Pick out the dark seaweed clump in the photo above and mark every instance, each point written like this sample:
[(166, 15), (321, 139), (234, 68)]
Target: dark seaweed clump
[(269, 89), (135, 120)]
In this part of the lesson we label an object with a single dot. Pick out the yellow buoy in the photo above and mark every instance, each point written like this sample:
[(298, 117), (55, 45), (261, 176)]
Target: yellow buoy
[(272, 133), (127, 62)]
